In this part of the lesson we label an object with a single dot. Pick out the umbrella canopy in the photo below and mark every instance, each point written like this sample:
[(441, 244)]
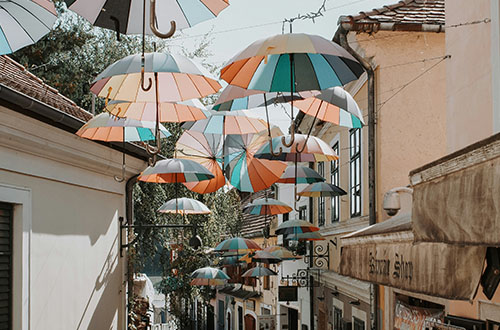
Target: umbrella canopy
[(175, 170), (184, 206), (295, 227), (315, 150), (258, 272), (167, 111), (209, 273), (282, 252), (24, 22), (304, 175), (227, 123), (205, 149), (322, 189), (179, 79), (265, 257), (237, 244), (106, 127), (207, 281), (229, 261), (315, 64), (266, 206), (333, 105), (129, 13), (243, 170), (310, 236)]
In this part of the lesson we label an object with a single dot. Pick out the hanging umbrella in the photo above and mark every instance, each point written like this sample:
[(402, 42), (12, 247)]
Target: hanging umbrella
[(237, 244), (333, 105), (227, 123), (208, 281), (322, 189), (304, 175), (24, 22), (205, 149), (184, 206), (209, 276), (259, 272), (310, 236), (229, 261), (266, 206), (264, 257), (178, 78), (126, 16), (168, 111), (282, 252), (106, 127), (313, 150), (175, 170), (243, 170), (295, 227)]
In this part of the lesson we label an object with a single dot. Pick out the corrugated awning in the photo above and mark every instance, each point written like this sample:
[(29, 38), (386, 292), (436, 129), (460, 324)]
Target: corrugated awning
[(386, 254), (239, 293)]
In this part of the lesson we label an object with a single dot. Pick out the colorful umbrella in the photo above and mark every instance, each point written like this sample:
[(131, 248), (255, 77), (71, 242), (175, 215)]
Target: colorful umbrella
[(24, 22), (310, 236), (184, 206), (237, 244), (266, 206), (258, 272), (168, 112), (282, 252), (229, 261), (178, 78), (314, 150), (208, 276), (106, 127), (322, 189), (304, 175), (207, 281), (205, 149), (333, 105), (264, 257), (175, 170), (295, 227), (227, 123)]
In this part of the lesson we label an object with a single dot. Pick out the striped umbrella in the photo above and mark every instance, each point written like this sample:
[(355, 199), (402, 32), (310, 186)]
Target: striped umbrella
[(106, 127), (168, 111), (24, 22), (310, 236), (266, 206), (237, 244), (259, 272), (333, 105), (264, 257), (184, 206), (126, 16), (304, 175), (208, 281), (208, 276), (178, 78), (295, 227), (175, 170), (282, 252), (227, 123), (322, 189)]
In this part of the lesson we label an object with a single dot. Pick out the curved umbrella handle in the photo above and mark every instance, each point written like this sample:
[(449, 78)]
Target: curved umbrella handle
[(122, 178), (152, 23), (150, 81), (272, 149), (292, 133), (107, 97)]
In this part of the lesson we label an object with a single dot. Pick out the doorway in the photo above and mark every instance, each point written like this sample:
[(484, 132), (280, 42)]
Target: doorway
[(293, 319), (250, 322)]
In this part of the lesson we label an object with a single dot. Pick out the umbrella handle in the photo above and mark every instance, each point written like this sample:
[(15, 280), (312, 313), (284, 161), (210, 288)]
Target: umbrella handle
[(152, 23), (272, 149), (292, 133), (117, 27), (150, 81)]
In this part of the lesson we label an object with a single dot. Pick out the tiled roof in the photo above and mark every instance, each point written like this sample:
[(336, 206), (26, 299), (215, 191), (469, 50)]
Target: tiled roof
[(405, 12), (253, 225), (15, 76)]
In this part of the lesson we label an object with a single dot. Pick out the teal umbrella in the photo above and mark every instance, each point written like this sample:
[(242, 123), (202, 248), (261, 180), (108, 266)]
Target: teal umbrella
[(259, 272), (266, 206), (237, 244), (304, 175), (322, 189), (174, 170), (208, 276), (295, 227)]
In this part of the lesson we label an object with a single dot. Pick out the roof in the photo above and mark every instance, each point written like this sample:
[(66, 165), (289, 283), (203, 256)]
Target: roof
[(239, 293), (15, 76), (398, 223), (408, 12), (252, 225)]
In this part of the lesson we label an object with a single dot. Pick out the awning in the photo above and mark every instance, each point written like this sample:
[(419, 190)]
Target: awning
[(238, 292), (385, 253)]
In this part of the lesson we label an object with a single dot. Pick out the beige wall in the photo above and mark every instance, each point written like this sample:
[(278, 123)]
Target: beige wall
[(67, 246), (470, 108)]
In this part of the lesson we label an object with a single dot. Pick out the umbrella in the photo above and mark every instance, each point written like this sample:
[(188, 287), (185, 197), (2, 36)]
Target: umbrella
[(175, 170), (243, 170), (229, 261), (322, 189), (184, 206), (168, 111), (333, 105), (266, 206), (24, 22), (106, 127), (264, 257), (178, 78), (226, 123), (205, 149), (237, 244), (208, 281), (313, 150), (304, 175), (281, 252), (208, 276), (127, 16), (295, 227), (310, 236), (258, 272)]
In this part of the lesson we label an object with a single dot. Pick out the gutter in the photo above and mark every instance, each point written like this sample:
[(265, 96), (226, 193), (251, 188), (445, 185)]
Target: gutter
[(347, 23)]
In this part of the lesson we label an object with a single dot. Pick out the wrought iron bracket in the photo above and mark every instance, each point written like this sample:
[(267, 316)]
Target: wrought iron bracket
[(319, 257), (302, 277)]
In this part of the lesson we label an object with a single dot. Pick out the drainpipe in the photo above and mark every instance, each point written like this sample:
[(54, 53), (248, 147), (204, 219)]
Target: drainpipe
[(129, 213), (341, 37)]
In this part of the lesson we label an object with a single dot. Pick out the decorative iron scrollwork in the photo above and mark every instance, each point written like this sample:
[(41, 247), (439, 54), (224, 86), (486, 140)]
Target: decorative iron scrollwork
[(302, 278), (320, 257)]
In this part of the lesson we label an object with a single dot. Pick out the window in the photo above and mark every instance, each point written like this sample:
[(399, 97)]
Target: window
[(334, 179), (303, 212), (355, 171), (321, 205), (286, 217), (337, 318), (267, 282), (358, 324)]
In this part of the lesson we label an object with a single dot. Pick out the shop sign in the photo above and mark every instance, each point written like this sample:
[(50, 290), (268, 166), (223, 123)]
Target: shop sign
[(415, 318), (287, 293), (266, 322)]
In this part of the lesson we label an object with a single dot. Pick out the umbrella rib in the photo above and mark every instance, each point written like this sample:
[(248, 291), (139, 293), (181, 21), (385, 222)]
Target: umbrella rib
[(31, 14)]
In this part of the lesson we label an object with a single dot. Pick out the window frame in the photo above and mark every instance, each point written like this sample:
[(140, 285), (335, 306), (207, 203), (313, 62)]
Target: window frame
[(335, 179), (355, 182), (321, 200)]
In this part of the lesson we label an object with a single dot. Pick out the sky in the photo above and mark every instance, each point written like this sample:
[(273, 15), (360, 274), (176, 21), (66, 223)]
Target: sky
[(246, 21)]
